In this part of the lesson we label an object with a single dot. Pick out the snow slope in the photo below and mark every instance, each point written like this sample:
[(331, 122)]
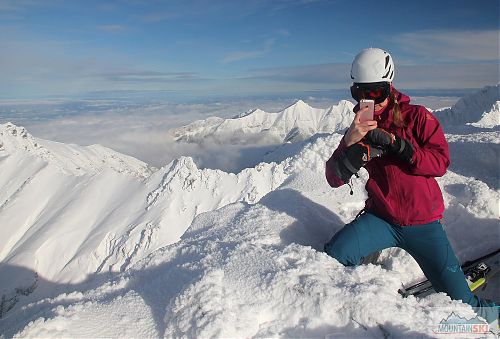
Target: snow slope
[(92, 210), (255, 270), (480, 109), (185, 252), (296, 122)]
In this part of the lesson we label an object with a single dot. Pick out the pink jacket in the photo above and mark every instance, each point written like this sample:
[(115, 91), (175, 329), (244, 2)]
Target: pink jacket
[(401, 193)]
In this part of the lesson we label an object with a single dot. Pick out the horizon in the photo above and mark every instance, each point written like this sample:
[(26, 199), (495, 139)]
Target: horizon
[(197, 50), (147, 96), (145, 130)]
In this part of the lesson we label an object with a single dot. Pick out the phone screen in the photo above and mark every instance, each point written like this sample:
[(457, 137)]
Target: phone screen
[(368, 115)]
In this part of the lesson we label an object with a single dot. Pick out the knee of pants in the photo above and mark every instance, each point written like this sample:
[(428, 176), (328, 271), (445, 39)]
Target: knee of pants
[(343, 252)]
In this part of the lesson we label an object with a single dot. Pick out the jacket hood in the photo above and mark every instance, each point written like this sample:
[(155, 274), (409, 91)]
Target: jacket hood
[(402, 98)]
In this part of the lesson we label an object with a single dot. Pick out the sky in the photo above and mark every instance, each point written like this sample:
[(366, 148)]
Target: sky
[(193, 49)]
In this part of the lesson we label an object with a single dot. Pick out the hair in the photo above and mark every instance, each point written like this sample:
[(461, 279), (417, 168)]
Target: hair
[(397, 118)]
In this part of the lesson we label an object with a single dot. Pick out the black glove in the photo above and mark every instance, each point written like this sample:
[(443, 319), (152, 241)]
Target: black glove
[(353, 158), (392, 143)]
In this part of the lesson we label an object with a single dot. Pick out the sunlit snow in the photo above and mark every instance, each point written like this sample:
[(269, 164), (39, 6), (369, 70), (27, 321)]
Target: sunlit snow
[(98, 244)]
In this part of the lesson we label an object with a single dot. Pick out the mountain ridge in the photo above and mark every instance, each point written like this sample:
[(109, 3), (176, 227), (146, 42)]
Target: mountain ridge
[(132, 215), (296, 122), (300, 121), (480, 109), (69, 158)]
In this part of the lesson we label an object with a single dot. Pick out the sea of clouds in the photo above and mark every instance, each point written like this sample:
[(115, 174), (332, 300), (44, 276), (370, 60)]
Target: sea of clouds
[(142, 128)]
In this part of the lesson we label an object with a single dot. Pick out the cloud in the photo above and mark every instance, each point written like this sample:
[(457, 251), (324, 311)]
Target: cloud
[(283, 32), (428, 76), (280, 5), (139, 130), (32, 68), (451, 46), (159, 17), (133, 129), (148, 76), (334, 73), (142, 130), (15, 5), (446, 59), (107, 7), (447, 76), (11, 8), (242, 55), (8, 6), (112, 28), (267, 46)]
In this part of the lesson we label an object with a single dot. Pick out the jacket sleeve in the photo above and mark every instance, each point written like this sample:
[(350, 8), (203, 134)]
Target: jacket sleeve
[(332, 179), (431, 156)]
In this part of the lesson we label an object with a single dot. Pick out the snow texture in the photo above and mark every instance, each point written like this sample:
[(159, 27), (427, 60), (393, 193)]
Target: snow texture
[(295, 123), (98, 244), (481, 109)]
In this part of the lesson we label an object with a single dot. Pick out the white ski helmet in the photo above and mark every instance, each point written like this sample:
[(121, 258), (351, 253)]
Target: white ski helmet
[(372, 65)]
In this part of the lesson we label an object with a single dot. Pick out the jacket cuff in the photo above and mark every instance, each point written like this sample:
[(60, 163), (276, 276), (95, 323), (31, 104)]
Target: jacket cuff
[(333, 180), (342, 146)]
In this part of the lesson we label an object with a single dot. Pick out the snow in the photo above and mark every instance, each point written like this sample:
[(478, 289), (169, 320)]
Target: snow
[(480, 109), (69, 159), (295, 123), (98, 244)]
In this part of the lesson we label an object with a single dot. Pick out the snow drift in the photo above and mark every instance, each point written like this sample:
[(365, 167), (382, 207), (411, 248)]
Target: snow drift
[(480, 109), (99, 244)]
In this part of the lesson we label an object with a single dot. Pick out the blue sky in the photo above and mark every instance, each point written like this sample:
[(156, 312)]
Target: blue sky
[(201, 48)]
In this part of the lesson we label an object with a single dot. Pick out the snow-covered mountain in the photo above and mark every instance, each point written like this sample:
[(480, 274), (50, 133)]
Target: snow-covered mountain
[(479, 109), (98, 244), (296, 122), (68, 159), (92, 210), (300, 121)]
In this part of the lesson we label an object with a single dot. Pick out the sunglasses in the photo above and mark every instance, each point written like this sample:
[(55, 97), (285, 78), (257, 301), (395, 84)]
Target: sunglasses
[(377, 91)]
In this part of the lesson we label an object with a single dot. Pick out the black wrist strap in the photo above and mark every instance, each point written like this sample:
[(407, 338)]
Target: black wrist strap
[(402, 145), (348, 165)]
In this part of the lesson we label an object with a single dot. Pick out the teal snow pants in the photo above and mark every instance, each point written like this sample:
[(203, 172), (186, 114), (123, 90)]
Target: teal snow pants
[(427, 244)]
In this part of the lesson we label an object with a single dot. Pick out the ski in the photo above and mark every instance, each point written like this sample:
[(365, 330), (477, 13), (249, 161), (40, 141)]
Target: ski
[(476, 272)]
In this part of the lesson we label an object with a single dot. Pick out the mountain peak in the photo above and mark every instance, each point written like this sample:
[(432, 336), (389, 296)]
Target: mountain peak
[(479, 109), (299, 104), (68, 158), (296, 122), (14, 137)]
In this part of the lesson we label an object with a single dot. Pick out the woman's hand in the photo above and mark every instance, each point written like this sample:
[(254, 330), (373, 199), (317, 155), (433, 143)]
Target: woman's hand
[(358, 129)]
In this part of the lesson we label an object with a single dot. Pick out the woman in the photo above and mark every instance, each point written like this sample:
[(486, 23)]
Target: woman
[(403, 149)]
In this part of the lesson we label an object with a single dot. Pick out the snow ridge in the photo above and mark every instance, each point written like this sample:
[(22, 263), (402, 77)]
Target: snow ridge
[(295, 123), (480, 109), (66, 158), (109, 218)]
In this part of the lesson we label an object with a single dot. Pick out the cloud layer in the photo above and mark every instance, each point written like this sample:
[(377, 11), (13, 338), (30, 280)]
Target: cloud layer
[(142, 130), (451, 46)]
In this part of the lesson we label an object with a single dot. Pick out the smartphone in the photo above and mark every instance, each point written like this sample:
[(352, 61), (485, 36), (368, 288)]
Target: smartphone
[(368, 115)]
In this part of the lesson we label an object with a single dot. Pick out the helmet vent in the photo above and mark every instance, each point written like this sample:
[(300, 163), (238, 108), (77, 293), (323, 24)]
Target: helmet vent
[(387, 59), (387, 74)]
